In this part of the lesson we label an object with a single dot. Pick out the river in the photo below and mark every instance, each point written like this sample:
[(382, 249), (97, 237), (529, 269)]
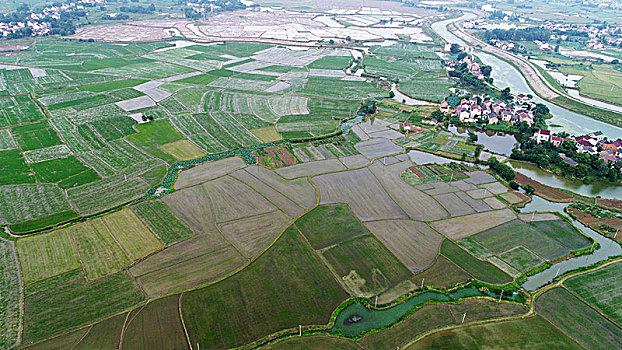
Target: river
[(607, 247), (505, 75)]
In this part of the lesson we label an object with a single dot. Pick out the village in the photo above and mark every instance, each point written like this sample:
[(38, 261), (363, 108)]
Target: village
[(38, 23), (477, 110), (592, 143)]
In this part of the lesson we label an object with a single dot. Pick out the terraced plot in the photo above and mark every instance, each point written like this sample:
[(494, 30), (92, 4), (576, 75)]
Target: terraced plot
[(133, 236)]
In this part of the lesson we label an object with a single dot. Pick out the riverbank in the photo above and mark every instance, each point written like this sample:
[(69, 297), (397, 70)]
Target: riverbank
[(539, 84)]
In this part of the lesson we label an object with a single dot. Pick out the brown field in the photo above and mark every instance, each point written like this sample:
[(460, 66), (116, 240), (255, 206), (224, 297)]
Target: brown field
[(188, 249), (193, 206), (231, 199), (276, 157), (298, 190), (311, 168), (208, 171), (610, 203), (183, 150), (417, 204), (284, 203), (414, 243), (464, 226), (267, 134), (583, 217), (454, 204), (132, 235), (361, 191), (544, 191), (191, 273), (252, 234), (514, 197), (156, 326), (494, 203)]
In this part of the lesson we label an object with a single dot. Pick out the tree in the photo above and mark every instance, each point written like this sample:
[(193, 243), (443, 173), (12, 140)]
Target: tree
[(454, 49), (472, 136), (514, 185), (486, 70), (391, 94), (529, 189), (505, 94)]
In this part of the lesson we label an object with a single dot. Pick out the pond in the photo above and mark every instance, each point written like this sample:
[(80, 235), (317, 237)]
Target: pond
[(494, 141)]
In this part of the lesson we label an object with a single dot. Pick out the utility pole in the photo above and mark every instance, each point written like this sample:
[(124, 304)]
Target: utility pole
[(463, 317), (501, 296), (557, 273), (376, 302), (300, 330), (423, 279)]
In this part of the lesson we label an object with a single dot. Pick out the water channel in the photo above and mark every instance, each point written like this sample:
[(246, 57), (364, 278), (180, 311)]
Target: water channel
[(607, 247)]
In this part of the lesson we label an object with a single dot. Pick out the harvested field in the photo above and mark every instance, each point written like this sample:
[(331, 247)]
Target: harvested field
[(354, 161), (479, 177), (533, 332), (208, 171), (282, 202), (477, 310), (478, 204), (538, 217), (436, 188), (481, 270), (252, 234), (299, 191), (285, 287), (67, 301), (601, 290), (494, 187), (231, 199), (453, 204), (132, 235), (361, 191), (494, 203), (192, 272), (193, 206), (314, 342), (414, 243), (578, 320), (380, 147), (47, 255), (544, 191), (156, 326), (443, 273), (364, 266), (183, 150), (465, 226), (159, 218), (310, 169), (514, 197), (415, 203)]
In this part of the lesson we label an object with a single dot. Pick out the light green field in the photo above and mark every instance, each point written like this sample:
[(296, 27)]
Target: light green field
[(132, 235), (602, 81), (46, 255), (183, 150)]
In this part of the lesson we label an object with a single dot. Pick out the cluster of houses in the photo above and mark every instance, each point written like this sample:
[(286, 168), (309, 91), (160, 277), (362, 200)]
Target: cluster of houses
[(472, 65), (598, 35), (610, 151), (492, 112), (36, 21)]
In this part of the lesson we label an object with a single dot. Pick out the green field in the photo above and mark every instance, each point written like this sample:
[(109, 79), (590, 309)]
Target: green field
[(132, 235), (365, 266), (67, 172), (67, 301), (600, 81), (482, 270), (13, 168), (33, 136), (532, 333), (548, 239), (150, 135), (578, 320), (103, 335), (442, 273), (10, 290), (600, 289), (285, 287), (161, 220), (328, 225)]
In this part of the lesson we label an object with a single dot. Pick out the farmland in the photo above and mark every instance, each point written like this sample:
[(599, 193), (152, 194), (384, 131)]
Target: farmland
[(176, 194), (520, 333), (598, 289)]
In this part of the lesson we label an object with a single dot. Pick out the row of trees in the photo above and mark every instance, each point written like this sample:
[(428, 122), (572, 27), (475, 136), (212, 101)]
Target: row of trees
[(526, 34)]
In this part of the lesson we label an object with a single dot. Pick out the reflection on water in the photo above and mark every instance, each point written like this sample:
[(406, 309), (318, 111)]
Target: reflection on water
[(419, 157), (593, 189), (495, 141)]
